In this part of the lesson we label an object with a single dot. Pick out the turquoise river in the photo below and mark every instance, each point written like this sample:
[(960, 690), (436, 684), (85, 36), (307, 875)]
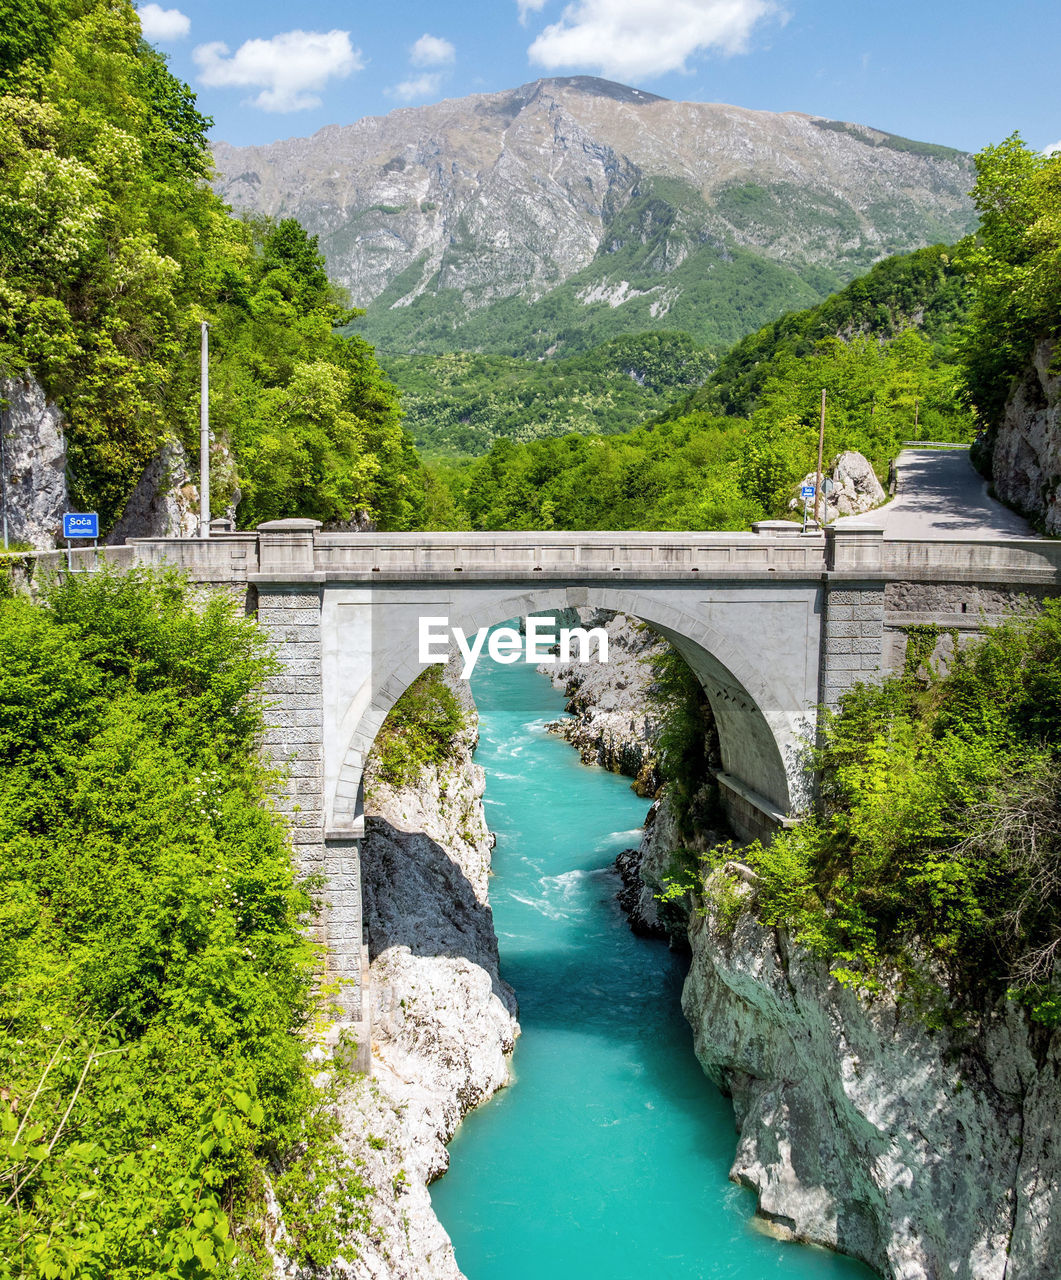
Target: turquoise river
[(607, 1156)]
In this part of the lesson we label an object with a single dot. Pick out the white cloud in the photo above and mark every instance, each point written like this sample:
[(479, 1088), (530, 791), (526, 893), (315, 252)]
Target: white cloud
[(288, 69), (163, 24), (1052, 149), (425, 86), (529, 6), (431, 51), (629, 39)]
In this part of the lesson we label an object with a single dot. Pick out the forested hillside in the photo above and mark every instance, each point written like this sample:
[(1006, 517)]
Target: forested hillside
[(734, 450), (458, 404), (114, 251), (927, 290)]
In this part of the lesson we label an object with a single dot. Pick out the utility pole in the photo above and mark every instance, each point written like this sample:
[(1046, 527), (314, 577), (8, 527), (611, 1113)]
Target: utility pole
[(204, 432), (821, 449)]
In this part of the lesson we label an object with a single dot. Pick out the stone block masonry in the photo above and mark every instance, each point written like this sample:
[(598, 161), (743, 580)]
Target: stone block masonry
[(290, 616), (852, 639)]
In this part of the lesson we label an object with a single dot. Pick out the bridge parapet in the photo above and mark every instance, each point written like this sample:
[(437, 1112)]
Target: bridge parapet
[(297, 551)]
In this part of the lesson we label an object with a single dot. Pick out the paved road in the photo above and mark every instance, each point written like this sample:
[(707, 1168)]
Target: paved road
[(939, 494)]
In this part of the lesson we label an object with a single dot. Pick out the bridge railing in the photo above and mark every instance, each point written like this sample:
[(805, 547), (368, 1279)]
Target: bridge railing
[(1023, 560), (570, 555), (296, 550)]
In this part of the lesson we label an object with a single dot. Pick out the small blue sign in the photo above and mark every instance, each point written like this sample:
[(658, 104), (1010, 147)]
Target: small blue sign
[(807, 491), (80, 524)]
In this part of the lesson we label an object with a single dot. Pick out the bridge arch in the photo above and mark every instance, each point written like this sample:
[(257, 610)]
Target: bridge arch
[(761, 726)]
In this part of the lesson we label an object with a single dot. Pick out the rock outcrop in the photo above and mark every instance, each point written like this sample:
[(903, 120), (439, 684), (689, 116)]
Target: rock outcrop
[(1026, 455), (443, 1021), (165, 501), (855, 488), (927, 1153), (616, 723), (34, 464)]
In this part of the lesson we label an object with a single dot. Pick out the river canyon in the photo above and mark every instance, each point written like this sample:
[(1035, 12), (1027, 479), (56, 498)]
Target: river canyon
[(608, 1153)]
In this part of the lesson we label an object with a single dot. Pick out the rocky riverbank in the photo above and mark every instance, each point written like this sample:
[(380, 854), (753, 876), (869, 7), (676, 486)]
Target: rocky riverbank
[(616, 723), (925, 1151), (443, 1021)]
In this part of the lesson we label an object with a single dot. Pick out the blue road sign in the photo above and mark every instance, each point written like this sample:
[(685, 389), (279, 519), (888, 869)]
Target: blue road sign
[(807, 491), (80, 524)]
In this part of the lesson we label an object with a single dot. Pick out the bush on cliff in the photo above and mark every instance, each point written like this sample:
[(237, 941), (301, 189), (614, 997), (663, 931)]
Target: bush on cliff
[(153, 975), (420, 730), (939, 830)]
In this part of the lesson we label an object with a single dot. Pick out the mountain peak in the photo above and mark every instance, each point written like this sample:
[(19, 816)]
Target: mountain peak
[(592, 86)]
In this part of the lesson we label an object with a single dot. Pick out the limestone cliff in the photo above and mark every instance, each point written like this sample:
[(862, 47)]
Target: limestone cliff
[(34, 464), (443, 1021), (164, 502), (1026, 451), (926, 1153)]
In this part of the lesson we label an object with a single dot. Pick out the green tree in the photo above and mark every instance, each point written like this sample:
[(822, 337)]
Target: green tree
[(1015, 264), (114, 249)]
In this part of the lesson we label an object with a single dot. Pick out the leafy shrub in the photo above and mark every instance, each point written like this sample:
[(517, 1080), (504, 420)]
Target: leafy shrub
[(420, 731), (939, 827), (154, 977)]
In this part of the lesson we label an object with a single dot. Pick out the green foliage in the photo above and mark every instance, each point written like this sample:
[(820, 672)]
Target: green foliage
[(926, 289), (458, 404), (114, 249), (875, 394), (153, 972), (420, 730), (939, 829), (679, 475), (1014, 264), (687, 744)]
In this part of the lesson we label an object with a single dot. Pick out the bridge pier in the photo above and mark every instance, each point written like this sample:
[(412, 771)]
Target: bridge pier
[(852, 647), (290, 616)]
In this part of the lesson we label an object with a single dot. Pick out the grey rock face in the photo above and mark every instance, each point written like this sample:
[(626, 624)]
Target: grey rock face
[(443, 1021), (615, 724), (511, 193), (1026, 460), (34, 470), (856, 488), (924, 1153), (165, 502)]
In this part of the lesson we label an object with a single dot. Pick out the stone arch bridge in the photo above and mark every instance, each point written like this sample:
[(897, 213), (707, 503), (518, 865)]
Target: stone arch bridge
[(773, 622)]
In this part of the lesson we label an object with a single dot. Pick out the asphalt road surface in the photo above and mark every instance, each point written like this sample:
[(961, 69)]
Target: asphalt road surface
[(940, 494)]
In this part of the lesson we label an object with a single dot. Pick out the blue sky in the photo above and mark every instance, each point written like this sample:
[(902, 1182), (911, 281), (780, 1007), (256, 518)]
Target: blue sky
[(960, 74)]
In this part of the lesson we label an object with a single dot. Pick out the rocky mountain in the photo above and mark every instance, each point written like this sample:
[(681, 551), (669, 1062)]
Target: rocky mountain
[(605, 208)]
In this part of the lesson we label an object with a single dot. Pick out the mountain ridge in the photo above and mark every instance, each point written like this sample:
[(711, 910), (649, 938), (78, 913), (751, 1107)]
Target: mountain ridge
[(599, 204)]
